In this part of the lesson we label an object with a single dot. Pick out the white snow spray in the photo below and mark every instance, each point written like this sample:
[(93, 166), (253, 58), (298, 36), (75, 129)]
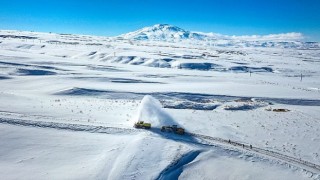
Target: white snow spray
[(150, 110)]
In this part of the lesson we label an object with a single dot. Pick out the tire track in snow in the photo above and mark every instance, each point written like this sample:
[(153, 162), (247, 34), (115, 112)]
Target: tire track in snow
[(258, 150), (68, 126), (206, 140)]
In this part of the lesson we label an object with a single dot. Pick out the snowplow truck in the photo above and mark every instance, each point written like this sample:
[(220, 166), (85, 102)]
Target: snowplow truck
[(174, 128), (142, 124)]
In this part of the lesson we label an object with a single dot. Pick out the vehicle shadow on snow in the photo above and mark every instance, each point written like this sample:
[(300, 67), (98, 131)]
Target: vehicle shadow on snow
[(185, 138)]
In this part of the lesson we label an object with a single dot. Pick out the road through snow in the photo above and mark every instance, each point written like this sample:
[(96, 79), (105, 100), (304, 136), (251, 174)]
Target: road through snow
[(190, 138)]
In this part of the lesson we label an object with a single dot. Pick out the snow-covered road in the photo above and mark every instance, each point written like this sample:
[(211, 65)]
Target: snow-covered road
[(189, 138)]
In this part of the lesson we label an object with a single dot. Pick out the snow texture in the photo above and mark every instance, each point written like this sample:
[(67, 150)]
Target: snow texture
[(68, 104)]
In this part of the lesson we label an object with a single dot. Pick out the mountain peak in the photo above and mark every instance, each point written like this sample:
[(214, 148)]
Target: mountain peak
[(167, 27), (164, 32)]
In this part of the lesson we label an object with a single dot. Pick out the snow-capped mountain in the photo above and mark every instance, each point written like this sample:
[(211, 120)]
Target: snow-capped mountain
[(166, 32), (170, 33)]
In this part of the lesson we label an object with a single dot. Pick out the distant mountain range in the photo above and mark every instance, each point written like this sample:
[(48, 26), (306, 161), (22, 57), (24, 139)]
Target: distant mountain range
[(169, 33)]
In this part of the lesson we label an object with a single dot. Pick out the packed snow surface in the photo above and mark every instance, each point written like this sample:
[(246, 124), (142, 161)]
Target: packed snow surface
[(249, 105)]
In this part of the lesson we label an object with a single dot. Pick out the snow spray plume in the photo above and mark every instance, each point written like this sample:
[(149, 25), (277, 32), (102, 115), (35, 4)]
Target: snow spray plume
[(150, 110)]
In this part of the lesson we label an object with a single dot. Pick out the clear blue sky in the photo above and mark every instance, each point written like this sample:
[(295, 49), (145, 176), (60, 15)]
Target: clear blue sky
[(114, 17)]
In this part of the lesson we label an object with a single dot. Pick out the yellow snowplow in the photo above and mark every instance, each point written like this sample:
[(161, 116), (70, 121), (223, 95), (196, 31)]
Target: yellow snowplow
[(142, 124), (174, 128)]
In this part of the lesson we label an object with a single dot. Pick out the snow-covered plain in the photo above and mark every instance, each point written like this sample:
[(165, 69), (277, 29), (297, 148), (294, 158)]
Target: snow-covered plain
[(68, 104)]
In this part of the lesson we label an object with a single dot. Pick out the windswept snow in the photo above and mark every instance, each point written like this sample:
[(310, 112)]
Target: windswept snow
[(212, 163), (68, 104)]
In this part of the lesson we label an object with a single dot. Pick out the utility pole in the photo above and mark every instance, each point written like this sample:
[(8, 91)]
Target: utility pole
[(301, 77)]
